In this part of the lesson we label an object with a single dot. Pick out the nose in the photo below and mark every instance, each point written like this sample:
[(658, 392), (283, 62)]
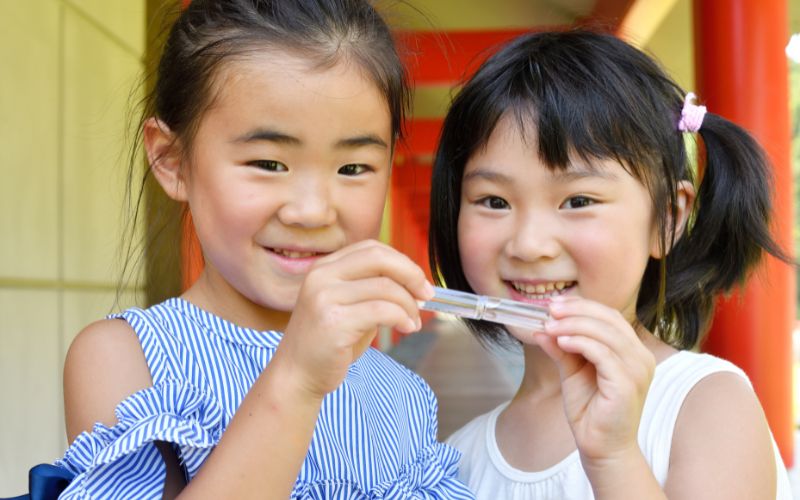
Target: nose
[(536, 238), (308, 204)]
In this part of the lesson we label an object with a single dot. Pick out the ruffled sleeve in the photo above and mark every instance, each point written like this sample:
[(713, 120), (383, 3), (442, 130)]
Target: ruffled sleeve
[(123, 462), (432, 476)]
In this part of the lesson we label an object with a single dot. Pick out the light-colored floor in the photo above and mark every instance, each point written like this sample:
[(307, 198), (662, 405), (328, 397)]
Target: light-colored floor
[(469, 380)]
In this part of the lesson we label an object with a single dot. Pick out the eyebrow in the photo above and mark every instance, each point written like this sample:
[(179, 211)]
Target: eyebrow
[(572, 174), (487, 175), (270, 135), (568, 175)]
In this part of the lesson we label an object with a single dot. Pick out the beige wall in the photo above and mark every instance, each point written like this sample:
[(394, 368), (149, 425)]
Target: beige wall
[(68, 67)]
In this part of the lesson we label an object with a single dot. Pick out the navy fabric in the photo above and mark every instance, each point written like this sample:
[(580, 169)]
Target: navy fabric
[(45, 482)]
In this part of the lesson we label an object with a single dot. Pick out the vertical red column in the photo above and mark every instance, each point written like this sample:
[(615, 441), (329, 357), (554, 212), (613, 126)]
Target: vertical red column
[(742, 75), (192, 262)]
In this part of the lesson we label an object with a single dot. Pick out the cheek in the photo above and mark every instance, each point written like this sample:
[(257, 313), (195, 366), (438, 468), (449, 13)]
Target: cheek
[(362, 213), (477, 251), (611, 262)]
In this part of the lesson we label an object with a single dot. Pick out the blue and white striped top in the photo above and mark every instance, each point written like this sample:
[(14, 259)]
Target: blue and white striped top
[(375, 436)]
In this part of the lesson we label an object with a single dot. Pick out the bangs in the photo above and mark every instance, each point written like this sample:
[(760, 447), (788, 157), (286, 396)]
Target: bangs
[(573, 105)]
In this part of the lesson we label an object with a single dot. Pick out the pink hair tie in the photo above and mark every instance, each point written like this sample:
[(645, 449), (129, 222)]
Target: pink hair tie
[(692, 114)]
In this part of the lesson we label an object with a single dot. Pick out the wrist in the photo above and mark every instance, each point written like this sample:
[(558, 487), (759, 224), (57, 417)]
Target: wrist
[(625, 474), (289, 381)]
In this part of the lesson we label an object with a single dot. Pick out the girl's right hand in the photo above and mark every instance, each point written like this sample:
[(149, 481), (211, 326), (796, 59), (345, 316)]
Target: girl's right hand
[(344, 299), (605, 371)]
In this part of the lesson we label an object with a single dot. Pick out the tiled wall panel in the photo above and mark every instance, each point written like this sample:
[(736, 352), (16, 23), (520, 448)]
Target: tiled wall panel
[(29, 145)]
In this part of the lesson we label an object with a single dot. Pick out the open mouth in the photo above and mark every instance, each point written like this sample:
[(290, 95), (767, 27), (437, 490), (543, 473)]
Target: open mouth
[(542, 291), (292, 254)]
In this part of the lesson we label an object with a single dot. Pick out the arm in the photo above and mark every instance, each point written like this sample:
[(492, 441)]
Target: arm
[(104, 365), (343, 300), (721, 447), (262, 450)]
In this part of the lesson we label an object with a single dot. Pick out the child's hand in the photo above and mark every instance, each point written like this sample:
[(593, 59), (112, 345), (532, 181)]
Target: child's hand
[(605, 373), (344, 298)]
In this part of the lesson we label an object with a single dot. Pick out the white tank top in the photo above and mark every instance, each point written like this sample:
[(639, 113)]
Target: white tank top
[(486, 472)]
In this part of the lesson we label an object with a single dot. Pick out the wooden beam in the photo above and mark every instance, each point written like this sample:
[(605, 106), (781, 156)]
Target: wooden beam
[(643, 19), (608, 14), (449, 57)]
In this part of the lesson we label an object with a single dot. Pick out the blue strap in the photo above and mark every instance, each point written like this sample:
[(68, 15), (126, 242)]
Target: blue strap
[(46, 482)]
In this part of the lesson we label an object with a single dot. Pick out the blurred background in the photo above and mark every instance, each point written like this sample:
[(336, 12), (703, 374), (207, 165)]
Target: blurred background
[(70, 78)]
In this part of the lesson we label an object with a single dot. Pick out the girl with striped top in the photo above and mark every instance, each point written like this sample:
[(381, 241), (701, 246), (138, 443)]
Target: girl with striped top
[(275, 123)]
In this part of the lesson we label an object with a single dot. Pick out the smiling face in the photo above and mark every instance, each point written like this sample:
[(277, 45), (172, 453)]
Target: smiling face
[(527, 232), (290, 163)]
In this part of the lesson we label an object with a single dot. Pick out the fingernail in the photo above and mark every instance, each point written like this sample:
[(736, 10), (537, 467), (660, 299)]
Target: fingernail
[(411, 325), (418, 323), (550, 324), (429, 291), (564, 339)]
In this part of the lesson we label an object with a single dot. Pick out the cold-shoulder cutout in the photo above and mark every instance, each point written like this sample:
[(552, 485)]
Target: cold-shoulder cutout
[(104, 365)]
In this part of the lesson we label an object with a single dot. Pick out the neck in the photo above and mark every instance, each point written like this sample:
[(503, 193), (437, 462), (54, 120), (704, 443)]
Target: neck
[(540, 379), (212, 293)]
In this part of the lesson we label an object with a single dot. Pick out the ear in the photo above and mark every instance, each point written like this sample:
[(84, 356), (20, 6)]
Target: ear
[(684, 201), (164, 157)]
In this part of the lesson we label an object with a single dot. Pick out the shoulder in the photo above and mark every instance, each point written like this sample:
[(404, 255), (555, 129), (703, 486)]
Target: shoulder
[(721, 432), (104, 365), (679, 375)]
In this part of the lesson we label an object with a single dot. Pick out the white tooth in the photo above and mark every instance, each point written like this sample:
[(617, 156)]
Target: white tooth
[(560, 285), (549, 287), (540, 288)]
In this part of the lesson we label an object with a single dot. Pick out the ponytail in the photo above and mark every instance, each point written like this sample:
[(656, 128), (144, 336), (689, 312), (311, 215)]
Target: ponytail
[(729, 230)]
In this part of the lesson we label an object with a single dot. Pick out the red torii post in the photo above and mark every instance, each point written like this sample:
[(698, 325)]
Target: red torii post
[(741, 73)]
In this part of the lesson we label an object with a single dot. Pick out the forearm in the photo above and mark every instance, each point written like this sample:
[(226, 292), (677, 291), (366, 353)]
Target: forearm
[(262, 450), (622, 477)]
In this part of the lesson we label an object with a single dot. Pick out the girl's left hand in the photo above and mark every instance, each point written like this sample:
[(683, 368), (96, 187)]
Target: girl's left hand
[(605, 372)]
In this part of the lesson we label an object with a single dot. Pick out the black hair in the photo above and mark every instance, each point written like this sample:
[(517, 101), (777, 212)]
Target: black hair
[(595, 96), (210, 34)]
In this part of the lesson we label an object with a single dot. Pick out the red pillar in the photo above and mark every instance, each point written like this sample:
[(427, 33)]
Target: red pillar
[(742, 75)]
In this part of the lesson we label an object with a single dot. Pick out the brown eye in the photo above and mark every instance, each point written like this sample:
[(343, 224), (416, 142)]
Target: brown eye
[(578, 202), (269, 165), (495, 203), (353, 169)]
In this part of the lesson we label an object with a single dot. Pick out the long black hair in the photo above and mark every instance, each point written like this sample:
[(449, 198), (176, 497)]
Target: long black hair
[(594, 95)]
